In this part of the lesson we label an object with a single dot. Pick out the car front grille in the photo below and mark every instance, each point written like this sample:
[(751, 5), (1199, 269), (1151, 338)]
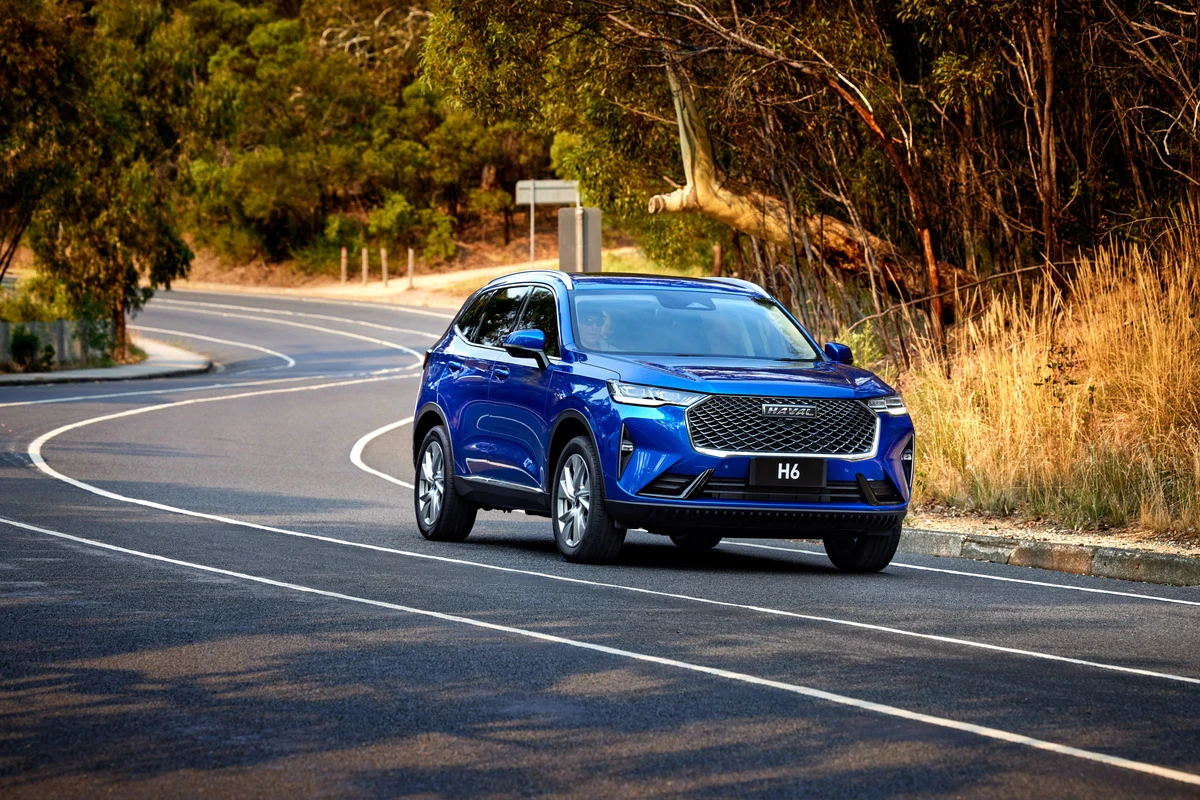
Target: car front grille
[(736, 424)]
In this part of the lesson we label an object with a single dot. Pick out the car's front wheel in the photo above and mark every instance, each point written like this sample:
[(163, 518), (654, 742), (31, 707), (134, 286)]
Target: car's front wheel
[(442, 515), (863, 552), (583, 530)]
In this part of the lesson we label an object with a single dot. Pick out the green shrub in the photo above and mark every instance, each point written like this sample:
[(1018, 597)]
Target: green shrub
[(28, 353)]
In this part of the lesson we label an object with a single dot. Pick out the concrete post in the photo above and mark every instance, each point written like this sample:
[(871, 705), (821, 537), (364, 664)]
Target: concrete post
[(532, 216), (343, 265), (410, 268), (579, 238), (364, 279), (383, 263), (60, 340)]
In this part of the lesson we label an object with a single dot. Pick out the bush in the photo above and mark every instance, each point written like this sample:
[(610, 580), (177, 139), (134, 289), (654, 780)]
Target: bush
[(28, 353)]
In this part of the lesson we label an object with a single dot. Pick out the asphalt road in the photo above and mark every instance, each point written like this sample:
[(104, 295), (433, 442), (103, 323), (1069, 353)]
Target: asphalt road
[(214, 586)]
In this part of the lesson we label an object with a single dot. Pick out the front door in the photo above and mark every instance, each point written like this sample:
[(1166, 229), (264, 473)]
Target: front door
[(518, 397)]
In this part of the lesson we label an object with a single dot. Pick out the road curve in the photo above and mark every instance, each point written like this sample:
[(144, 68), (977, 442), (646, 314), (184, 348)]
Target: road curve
[(214, 585)]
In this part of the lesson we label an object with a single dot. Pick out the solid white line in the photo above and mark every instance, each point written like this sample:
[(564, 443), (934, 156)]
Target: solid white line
[(35, 453), (286, 313), (294, 324), (982, 575), (357, 451), (289, 361), (378, 306), (210, 386), (740, 677)]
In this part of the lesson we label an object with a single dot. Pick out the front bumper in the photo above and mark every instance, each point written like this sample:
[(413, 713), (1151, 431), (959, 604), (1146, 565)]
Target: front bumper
[(666, 486)]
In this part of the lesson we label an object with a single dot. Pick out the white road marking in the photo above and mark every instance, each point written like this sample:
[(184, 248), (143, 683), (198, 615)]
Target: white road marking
[(288, 360), (357, 451), (286, 313), (209, 386), (229, 314), (322, 300), (982, 575), (35, 453), (740, 677)]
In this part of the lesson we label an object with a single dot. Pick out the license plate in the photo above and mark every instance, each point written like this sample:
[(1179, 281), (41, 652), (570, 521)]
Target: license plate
[(787, 472)]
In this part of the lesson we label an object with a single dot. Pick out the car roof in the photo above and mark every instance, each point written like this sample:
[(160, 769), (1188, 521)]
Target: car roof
[(574, 280)]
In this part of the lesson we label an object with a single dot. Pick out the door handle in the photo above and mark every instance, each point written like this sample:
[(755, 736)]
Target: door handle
[(501, 373), (454, 366)]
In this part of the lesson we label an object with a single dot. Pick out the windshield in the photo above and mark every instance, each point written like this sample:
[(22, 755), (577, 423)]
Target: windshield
[(686, 322)]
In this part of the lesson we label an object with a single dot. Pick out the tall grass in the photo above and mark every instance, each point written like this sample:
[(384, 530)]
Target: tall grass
[(1079, 406)]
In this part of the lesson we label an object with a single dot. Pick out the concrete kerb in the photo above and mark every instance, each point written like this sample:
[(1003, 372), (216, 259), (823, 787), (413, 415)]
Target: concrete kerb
[(1104, 562), (162, 361)]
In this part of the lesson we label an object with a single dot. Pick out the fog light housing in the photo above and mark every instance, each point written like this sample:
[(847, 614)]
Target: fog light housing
[(906, 461), (627, 448)]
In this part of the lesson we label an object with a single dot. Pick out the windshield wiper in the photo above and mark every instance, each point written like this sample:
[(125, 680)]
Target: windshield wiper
[(797, 360)]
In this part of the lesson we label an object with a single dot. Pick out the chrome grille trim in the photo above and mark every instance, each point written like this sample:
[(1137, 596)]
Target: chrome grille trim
[(848, 449)]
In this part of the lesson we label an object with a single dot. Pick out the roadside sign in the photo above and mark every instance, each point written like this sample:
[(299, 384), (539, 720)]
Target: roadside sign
[(545, 193), (548, 193)]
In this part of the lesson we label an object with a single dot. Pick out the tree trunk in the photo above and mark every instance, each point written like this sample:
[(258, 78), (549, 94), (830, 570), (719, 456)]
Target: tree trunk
[(120, 333), (765, 217), (1049, 172)]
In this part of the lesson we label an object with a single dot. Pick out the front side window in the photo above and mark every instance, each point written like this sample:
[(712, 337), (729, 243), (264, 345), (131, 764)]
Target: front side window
[(500, 316), (687, 322), (541, 314)]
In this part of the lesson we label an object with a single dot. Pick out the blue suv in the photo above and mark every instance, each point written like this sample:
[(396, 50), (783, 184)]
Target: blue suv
[(692, 408)]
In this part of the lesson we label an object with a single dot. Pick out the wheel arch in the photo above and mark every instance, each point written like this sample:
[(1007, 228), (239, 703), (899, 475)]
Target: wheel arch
[(567, 426), (428, 417)]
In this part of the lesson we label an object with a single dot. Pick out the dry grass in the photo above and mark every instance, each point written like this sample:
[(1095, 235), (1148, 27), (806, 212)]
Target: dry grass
[(1080, 407)]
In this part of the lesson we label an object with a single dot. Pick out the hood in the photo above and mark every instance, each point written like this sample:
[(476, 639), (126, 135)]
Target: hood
[(739, 376)]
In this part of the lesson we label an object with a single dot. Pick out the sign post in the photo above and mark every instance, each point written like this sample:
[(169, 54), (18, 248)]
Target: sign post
[(545, 193)]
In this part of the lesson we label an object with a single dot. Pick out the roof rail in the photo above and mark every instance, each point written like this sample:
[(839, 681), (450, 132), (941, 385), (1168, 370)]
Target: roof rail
[(754, 287), (563, 276)]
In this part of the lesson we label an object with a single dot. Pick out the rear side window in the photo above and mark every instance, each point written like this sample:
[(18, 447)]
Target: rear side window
[(470, 317), (541, 314), (500, 316)]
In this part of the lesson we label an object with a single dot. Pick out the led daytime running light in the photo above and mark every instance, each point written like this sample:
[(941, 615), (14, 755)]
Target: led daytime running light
[(890, 404), (637, 395)]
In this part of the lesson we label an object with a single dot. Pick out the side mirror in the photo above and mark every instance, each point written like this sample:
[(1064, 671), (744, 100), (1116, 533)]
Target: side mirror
[(839, 353), (528, 344)]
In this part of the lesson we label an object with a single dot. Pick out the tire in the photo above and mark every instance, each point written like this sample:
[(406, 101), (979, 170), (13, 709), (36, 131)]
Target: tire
[(583, 530), (696, 542), (442, 515), (862, 552)]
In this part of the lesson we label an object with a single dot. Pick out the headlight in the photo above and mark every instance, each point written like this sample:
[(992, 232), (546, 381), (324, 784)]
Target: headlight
[(637, 395), (890, 404)]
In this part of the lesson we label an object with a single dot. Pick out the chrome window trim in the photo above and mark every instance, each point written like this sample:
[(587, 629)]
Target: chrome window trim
[(872, 453)]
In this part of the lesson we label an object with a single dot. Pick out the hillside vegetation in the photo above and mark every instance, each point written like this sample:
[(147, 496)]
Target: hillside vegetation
[(1080, 405)]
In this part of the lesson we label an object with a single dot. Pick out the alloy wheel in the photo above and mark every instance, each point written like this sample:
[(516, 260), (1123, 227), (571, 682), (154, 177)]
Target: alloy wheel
[(574, 499), (431, 486)]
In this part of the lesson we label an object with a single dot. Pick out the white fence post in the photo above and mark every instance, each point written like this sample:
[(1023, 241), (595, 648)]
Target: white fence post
[(383, 261), (410, 268), (364, 279), (343, 265)]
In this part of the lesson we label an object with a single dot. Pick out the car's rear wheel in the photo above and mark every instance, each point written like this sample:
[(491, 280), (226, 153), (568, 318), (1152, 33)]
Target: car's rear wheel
[(442, 515), (583, 530), (696, 542), (861, 552)]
